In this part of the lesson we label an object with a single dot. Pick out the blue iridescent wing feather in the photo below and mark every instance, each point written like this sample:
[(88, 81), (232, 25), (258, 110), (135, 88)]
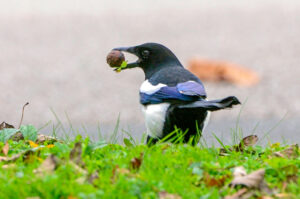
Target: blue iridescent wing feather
[(188, 92)]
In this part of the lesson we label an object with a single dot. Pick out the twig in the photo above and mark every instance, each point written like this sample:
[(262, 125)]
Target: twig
[(23, 114)]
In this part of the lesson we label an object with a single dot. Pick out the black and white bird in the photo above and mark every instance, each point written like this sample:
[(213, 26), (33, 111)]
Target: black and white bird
[(171, 96)]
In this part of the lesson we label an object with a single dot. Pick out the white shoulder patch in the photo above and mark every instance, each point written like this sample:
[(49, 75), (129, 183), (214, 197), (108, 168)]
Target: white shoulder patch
[(149, 89)]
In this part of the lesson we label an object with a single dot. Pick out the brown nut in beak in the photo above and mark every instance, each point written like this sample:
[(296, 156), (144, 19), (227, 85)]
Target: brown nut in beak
[(115, 58)]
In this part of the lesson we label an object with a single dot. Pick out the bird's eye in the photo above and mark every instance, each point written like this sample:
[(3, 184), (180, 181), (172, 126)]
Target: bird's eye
[(145, 54)]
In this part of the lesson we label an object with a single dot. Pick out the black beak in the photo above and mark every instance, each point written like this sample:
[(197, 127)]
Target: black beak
[(131, 50), (126, 49)]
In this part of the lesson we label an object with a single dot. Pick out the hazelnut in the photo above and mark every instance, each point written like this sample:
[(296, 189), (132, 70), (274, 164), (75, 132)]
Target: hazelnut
[(115, 58)]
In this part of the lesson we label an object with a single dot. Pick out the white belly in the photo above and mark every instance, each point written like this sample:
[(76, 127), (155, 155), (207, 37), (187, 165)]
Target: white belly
[(155, 115)]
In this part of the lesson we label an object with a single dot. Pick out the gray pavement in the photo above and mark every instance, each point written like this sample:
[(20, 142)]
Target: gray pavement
[(53, 55)]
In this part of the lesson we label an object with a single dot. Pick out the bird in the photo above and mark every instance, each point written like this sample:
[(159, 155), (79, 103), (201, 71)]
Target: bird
[(172, 98)]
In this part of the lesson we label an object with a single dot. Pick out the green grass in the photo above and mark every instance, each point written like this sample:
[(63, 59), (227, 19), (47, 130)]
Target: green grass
[(180, 169)]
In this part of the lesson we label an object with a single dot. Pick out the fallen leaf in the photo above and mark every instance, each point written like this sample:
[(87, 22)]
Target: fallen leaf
[(266, 197), (48, 166), (26, 155), (17, 137), (285, 196), (239, 172), (214, 182), (50, 146), (9, 166), (238, 195), (136, 162), (75, 154), (249, 141), (166, 195), (10, 159), (45, 138), (245, 142), (32, 144), (5, 125), (252, 180), (34, 197), (211, 70), (5, 149), (290, 152)]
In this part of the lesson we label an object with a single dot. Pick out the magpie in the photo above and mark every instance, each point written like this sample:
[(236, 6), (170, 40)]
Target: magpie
[(172, 98)]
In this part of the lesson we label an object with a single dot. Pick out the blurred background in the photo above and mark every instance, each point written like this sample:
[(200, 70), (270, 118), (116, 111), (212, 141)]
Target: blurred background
[(53, 55)]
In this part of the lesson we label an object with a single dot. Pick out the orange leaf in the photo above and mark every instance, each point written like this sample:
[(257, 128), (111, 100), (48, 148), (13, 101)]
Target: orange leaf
[(214, 182), (5, 149), (50, 146), (136, 162), (33, 144)]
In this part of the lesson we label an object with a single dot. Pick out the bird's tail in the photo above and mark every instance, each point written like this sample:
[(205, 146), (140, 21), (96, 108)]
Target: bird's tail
[(213, 105)]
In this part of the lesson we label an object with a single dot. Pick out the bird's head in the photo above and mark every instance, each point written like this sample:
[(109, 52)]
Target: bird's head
[(151, 57)]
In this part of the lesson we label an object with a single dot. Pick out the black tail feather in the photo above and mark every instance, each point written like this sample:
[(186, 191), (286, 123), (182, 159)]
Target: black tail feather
[(213, 105)]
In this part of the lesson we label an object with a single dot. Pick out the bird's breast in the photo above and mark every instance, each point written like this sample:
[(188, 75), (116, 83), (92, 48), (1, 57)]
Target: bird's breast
[(155, 116)]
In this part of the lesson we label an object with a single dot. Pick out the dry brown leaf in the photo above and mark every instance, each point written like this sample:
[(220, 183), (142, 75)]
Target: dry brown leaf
[(249, 140), (246, 141), (290, 152), (48, 166), (9, 166), (292, 178), (10, 159), (238, 195), (214, 182), (5, 125), (34, 197), (252, 180), (28, 156), (43, 138), (239, 172), (5, 149), (135, 163), (266, 197), (75, 154), (166, 195), (17, 137), (211, 70), (285, 196)]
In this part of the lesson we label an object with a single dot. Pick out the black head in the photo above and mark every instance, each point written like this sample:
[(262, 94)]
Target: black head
[(151, 57)]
